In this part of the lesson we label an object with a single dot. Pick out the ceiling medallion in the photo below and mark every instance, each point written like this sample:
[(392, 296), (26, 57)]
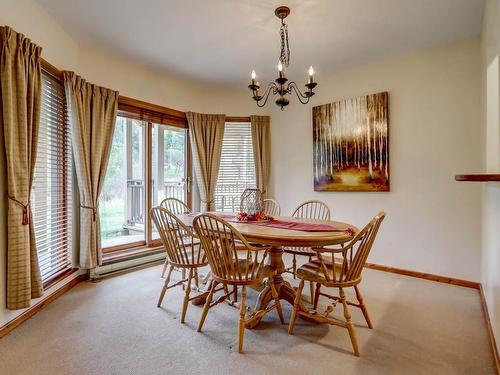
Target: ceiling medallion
[(280, 86)]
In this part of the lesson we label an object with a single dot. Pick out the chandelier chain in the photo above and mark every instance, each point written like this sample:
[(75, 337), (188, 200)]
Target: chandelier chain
[(285, 46)]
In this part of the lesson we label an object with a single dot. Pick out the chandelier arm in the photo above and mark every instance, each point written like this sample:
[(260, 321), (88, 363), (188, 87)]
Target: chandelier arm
[(292, 86), (270, 87)]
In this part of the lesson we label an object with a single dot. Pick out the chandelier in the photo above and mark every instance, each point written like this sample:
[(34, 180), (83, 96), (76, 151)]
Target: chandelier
[(280, 86)]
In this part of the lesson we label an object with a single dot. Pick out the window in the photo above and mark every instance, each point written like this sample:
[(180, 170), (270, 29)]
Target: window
[(122, 200), (148, 163), (169, 165), (237, 169), (51, 199)]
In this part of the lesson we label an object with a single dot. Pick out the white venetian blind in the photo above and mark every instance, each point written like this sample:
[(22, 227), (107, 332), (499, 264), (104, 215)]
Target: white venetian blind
[(51, 194), (237, 169)]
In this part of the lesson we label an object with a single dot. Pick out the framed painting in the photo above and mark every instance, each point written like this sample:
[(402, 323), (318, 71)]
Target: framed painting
[(351, 144)]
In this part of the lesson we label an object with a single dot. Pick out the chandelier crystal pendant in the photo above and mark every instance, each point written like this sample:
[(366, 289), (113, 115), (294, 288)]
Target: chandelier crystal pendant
[(280, 86)]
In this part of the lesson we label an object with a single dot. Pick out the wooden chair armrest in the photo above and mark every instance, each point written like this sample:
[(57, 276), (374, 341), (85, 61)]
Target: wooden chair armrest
[(331, 250), (251, 247)]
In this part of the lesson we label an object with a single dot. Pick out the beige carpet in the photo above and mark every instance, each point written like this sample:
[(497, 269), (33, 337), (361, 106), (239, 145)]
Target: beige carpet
[(114, 327)]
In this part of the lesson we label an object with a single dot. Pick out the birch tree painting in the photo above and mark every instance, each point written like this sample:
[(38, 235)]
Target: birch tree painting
[(351, 144)]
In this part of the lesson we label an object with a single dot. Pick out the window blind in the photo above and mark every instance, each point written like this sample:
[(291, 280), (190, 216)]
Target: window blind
[(51, 199), (237, 168)]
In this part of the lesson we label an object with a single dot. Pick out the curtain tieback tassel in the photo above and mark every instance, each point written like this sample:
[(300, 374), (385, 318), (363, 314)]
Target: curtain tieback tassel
[(26, 216), (94, 211)]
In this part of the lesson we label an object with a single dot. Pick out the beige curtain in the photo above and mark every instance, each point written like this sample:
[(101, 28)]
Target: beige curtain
[(20, 96), (206, 133), (261, 142), (93, 113)]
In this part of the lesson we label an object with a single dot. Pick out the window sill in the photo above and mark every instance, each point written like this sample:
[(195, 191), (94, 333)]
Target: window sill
[(119, 256), (54, 280)]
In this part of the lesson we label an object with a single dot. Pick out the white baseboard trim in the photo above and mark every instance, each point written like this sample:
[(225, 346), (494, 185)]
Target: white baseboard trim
[(125, 265)]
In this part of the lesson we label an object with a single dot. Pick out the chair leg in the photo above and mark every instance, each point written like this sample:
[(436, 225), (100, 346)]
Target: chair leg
[(311, 291), (196, 279), (242, 318), (235, 293), (186, 296), (359, 297), (274, 293), (164, 268), (316, 296), (207, 305), (165, 286), (294, 266), (350, 326), (295, 310), (183, 273)]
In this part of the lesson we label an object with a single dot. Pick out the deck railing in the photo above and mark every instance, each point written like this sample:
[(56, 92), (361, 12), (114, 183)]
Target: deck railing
[(135, 202), (135, 198), (228, 195)]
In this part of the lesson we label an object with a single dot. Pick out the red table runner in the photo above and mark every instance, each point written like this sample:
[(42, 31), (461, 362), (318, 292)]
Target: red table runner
[(283, 224), (306, 227)]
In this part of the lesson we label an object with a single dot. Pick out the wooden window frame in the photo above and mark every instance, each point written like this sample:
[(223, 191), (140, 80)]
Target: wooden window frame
[(150, 113)]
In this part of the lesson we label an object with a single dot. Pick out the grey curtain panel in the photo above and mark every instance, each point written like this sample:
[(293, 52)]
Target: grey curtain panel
[(206, 133), (261, 142), (92, 112), (20, 97)]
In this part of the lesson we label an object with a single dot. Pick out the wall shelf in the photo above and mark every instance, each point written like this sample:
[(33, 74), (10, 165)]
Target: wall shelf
[(479, 177)]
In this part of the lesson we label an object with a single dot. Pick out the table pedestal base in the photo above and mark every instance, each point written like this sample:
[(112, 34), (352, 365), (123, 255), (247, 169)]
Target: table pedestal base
[(285, 290)]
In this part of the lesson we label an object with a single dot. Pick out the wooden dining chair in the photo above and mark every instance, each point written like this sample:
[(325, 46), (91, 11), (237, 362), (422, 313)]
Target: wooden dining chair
[(233, 266), (341, 273), (312, 209), (272, 208), (177, 207), (183, 252)]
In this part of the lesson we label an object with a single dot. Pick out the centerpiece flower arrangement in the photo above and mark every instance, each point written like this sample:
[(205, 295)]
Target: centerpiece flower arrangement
[(252, 206), (259, 216)]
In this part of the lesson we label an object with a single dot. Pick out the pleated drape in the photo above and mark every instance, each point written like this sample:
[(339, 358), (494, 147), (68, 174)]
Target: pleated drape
[(92, 116), (20, 98), (261, 142), (206, 133)]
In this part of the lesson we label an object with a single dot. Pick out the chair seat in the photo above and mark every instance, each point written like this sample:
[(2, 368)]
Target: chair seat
[(312, 271), (193, 261), (267, 271)]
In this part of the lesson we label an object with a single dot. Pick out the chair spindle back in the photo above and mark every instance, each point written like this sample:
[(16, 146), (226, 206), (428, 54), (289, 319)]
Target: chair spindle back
[(174, 205), (272, 207), (312, 210), (177, 238), (355, 253), (228, 264)]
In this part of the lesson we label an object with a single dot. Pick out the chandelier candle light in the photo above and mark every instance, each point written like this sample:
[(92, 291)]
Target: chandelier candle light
[(279, 86)]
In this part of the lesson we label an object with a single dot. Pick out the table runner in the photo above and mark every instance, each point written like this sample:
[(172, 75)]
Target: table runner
[(283, 224)]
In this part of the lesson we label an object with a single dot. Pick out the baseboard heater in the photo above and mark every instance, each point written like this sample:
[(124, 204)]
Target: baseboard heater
[(126, 265)]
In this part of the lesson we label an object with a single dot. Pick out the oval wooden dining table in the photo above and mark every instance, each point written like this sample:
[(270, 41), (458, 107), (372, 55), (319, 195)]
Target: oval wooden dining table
[(278, 238)]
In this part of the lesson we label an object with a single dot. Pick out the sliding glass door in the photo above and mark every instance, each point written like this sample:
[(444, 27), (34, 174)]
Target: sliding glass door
[(169, 172), (122, 201), (148, 163)]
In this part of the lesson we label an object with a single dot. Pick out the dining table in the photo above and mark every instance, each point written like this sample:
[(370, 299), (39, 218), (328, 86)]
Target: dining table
[(279, 233)]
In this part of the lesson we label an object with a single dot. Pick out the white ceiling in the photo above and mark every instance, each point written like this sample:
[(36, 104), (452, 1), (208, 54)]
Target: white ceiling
[(220, 41)]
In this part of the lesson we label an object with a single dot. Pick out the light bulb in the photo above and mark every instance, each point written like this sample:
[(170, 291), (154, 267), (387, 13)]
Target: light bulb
[(280, 66), (253, 74), (311, 71)]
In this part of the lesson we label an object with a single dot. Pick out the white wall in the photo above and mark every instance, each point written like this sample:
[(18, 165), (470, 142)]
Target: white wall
[(433, 223), (490, 48), (135, 81)]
